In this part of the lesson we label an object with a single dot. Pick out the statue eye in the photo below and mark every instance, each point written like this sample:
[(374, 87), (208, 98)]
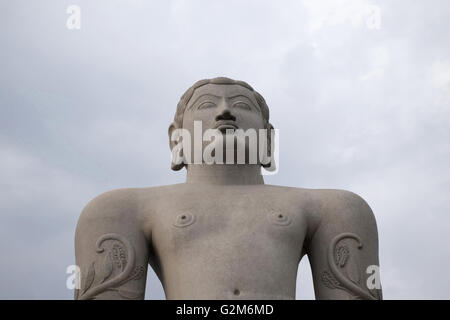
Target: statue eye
[(206, 104), (242, 105)]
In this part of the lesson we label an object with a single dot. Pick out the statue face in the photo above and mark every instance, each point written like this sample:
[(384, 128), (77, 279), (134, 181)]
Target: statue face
[(222, 124), (223, 107)]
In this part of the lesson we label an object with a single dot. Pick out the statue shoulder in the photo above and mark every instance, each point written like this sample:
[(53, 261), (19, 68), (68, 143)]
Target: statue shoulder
[(343, 207), (114, 203), (124, 204), (327, 205)]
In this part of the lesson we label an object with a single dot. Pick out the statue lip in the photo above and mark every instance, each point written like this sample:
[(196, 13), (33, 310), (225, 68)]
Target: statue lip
[(224, 125)]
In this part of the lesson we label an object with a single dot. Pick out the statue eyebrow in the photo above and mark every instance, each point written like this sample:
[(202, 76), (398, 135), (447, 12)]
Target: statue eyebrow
[(205, 94), (241, 95)]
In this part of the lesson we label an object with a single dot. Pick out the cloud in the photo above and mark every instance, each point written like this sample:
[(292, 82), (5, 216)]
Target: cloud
[(358, 89), (441, 80), (328, 14)]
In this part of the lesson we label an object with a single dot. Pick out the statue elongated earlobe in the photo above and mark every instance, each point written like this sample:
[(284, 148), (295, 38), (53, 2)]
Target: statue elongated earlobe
[(176, 147), (270, 148)]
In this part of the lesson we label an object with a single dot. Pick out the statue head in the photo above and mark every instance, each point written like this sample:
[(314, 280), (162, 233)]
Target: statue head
[(223, 104)]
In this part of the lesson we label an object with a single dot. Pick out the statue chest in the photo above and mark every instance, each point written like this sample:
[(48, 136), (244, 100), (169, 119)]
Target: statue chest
[(229, 227)]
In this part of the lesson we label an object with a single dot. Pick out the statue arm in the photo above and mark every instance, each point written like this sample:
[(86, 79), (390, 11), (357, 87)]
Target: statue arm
[(343, 250), (110, 249)]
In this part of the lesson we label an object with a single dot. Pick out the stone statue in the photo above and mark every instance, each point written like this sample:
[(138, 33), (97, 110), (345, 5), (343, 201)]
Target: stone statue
[(224, 234)]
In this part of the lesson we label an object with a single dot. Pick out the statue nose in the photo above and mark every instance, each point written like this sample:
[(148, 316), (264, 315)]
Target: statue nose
[(225, 115)]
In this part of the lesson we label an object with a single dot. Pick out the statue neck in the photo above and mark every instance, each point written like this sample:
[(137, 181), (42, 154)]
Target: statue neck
[(224, 174)]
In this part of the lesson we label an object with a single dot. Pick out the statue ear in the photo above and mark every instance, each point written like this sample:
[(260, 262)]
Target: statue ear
[(177, 162), (270, 147), (173, 126)]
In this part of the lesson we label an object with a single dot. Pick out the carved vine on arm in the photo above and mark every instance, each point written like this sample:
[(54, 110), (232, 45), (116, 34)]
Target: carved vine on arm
[(119, 259), (337, 257)]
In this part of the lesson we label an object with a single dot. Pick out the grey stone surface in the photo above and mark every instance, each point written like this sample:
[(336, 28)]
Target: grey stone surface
[(224, 234)]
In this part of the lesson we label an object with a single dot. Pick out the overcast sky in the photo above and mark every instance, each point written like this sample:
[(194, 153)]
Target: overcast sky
[(360, 91)]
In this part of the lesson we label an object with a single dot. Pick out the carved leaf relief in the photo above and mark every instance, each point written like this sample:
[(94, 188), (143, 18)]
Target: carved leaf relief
[(138, 273), (341, 255), (119, 256), (329, 281)]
